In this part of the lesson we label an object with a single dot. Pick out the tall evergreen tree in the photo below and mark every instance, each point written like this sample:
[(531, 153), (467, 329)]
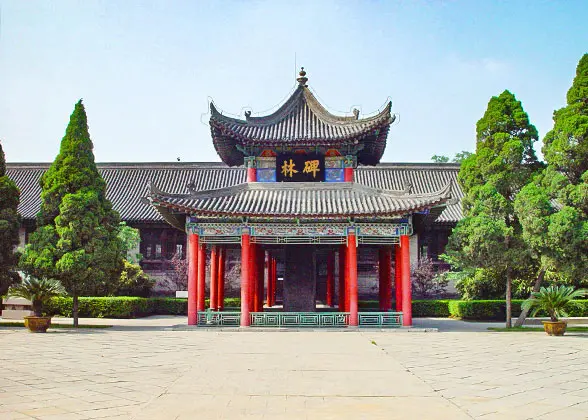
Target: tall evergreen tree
[(489, 236), (9, 224), (553, 209), (76, 240)]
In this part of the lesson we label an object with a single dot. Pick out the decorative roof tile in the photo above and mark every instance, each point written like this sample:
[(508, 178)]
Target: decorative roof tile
[(127, 183), (287, 200), (301, 121)]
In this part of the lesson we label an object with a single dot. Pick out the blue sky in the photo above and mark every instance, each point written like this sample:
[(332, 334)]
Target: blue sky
[(146, 70)]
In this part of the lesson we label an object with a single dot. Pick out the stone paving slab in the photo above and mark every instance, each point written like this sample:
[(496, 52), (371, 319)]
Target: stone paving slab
[(184, 374)]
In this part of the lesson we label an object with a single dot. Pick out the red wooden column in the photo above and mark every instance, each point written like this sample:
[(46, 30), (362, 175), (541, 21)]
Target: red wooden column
[(201, 306), (342, 261), (192, 279), (397, 278), (221, 279), (270, 282), (330, 278), (405, 280), (351, 277), (254, 285), (251, 170), (260, 276), (245, 277), (274, 279), (382, 279), (214, 278), (348, 169), (348, 174)]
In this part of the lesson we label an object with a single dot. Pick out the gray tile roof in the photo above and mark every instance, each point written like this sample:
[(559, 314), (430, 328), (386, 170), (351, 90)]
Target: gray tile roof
[(286, 200), (127, 183), (301, 121)]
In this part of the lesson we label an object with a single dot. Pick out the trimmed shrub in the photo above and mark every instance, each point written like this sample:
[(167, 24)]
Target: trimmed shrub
[(124, 307), (102, 307), (169, 306), (430, 308), (490, 310)]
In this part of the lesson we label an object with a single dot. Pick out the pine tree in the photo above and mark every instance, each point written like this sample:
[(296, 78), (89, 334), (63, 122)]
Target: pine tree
[(489, 236), (9, 225), (76, 240), (553, 209)]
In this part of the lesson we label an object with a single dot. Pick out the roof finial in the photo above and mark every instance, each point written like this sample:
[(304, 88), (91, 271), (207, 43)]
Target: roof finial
[(302, 79)]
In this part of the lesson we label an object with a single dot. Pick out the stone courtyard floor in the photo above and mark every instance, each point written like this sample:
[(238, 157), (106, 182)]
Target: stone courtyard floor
[(143, 370)]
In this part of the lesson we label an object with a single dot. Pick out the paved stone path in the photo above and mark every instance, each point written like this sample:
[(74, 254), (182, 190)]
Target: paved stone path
[(179, 374)]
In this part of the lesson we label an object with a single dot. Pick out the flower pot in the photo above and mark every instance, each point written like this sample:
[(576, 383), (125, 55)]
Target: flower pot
[(37, 324), (555, 328)]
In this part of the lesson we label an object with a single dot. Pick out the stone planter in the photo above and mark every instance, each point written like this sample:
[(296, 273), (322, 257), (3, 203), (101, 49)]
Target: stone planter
[(37, 324), (557, 328)]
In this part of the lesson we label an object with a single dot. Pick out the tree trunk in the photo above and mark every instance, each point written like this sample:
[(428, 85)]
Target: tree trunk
[(508, 298), (523, 316), (37, 309), (75, 310)]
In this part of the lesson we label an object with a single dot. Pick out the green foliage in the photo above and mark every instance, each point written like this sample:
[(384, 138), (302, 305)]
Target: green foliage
[(130, 238), (124, 307), (458, 158), (439, 159), (9, 225), (73, 170), (566, 145), (38, 291), (103, 307), (553, 209), (461, 156), (482, 310), (133, 281), (480, 283), (555, 300), (489, 237), (430, 308), (77, 236)]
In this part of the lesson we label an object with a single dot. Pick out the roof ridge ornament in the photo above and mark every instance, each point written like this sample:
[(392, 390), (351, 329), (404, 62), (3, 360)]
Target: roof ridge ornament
[(302, 79)]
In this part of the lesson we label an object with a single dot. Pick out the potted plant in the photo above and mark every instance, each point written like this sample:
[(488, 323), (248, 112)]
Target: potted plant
[(38, 291), (555, 300)]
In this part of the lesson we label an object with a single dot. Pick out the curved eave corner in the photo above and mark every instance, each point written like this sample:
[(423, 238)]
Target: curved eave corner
[(174, 219)]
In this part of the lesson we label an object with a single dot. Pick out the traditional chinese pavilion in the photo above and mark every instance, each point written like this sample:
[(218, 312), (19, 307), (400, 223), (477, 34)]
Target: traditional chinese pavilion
[(300, 204)]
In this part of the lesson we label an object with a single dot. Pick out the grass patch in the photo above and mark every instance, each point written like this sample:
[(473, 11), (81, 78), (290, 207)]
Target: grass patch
[(21, 324), (535, 329)]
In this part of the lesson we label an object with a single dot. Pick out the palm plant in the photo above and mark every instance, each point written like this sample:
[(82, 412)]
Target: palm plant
[(555, 300), (38, 291)]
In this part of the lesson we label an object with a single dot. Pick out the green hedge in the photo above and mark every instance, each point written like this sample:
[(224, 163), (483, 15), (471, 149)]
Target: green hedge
[(110, 307), (420, 308), (132, 307), (430, 308), (125, 307), (482, 309)]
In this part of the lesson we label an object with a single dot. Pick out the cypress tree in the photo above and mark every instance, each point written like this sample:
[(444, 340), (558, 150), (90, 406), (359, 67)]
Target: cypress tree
[(553, 209), (76, 240), (9, 225), (489, 236)]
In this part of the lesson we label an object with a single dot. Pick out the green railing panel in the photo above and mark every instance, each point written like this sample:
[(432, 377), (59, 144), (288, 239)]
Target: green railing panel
[(380, 319), (219, 319), (299, 319)]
